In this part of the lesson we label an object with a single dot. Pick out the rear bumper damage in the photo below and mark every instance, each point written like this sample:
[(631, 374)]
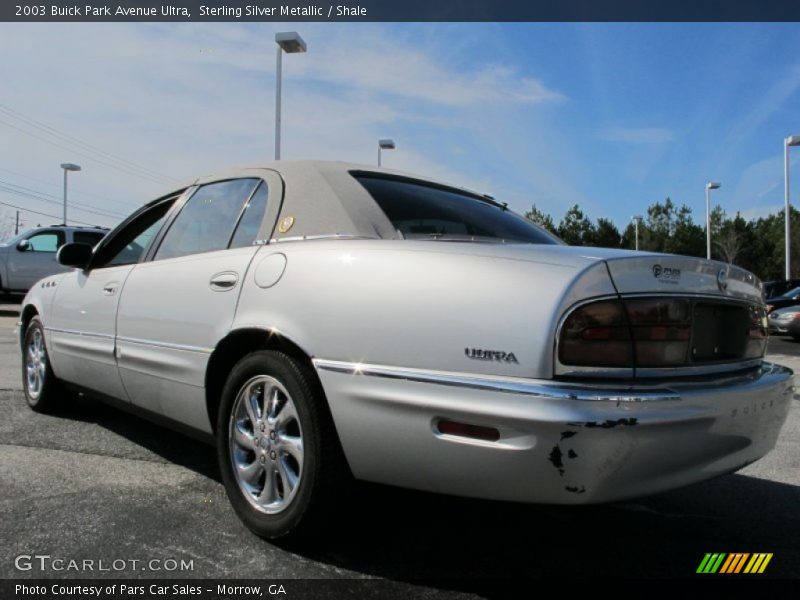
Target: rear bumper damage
[(556, 442)]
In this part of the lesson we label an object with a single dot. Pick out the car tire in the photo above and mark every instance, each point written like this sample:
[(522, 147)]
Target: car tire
[(280, 459), (44, 392)]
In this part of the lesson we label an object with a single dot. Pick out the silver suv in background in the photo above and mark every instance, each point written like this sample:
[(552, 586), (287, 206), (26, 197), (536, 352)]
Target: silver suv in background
[(31, 256)]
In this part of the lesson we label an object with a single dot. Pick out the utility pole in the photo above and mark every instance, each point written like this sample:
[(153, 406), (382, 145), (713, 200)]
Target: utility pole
[(16, 226)]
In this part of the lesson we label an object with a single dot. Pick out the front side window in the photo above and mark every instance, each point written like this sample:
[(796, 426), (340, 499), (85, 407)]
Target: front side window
[(127, 245), (133, 251), (207, 220), (419, 210), (46, 241)]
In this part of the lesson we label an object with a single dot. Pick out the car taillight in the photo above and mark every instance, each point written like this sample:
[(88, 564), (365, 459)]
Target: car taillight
[(662, 330), (596, 334)]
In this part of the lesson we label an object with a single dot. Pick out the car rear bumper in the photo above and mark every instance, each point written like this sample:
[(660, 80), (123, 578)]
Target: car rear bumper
[(558, 443)]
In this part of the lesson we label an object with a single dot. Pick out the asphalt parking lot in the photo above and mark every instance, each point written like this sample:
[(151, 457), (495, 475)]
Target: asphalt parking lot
[(96, 483)]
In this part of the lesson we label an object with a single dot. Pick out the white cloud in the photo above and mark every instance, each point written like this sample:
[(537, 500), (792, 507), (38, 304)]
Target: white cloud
[(190, 99), (757, 212), (636, 135)]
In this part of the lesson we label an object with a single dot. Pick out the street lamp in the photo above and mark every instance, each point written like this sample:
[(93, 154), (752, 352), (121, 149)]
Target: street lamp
[(67, 167), (637, 219), (711, 185), (384, 145), (291, 43), (792, 140)]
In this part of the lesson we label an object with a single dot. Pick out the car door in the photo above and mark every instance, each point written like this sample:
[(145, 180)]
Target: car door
[(177, 306), (34, 259), (81, 328)]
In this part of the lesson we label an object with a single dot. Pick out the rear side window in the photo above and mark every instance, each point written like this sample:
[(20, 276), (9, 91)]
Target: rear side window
[(87, 237), (250, 224), (424, 211), (207, 220)]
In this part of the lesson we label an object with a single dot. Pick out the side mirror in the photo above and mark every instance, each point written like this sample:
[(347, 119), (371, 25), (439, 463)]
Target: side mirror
[(74, 255), (23, 245)]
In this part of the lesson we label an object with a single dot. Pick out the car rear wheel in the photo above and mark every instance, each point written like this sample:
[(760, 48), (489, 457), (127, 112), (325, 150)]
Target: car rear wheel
[(279, 456), (43, 390)]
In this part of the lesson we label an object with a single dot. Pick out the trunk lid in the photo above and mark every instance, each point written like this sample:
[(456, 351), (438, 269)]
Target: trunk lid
[(671, 274)]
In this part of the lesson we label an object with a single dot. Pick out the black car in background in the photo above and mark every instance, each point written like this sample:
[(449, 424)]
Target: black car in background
[(790, 298), (779, 287)]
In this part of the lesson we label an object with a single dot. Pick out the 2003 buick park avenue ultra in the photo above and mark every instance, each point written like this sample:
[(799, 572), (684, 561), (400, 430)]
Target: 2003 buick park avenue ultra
[(323, 321)]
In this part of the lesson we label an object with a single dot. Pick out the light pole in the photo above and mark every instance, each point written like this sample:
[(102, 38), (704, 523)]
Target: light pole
[(792, 140), (289, 42), (384, 145), (636, 220), (67, 167), (711, 185)]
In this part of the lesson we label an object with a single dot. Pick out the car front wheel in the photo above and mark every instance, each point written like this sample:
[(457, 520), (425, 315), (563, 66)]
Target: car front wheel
[(42, 390), (279, 456)]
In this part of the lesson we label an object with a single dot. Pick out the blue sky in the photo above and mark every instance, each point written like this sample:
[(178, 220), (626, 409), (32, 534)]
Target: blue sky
[(608, 116)]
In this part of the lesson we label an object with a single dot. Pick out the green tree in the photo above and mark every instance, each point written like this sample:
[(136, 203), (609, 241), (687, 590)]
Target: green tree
[(660, 226), (606, 234), (687, 238), (575, 229), (628, 238), (541, 219)]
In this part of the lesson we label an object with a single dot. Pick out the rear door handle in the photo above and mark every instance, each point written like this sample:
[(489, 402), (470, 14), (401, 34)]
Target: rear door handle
[(222, 282)]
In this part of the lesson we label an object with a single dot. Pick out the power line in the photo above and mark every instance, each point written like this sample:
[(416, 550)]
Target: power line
[(95, 159), (36, 212), (26, 195), (45, 197), (120, 204), (31, 122)]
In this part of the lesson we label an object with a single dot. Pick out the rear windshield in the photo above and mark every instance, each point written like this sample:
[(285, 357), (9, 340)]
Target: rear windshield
[(422, 211)]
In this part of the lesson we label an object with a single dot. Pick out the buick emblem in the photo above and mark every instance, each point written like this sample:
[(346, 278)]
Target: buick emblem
[(722, 279)]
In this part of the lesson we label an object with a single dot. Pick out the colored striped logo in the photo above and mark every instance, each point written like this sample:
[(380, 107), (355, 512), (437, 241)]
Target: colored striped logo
[(736, 562)]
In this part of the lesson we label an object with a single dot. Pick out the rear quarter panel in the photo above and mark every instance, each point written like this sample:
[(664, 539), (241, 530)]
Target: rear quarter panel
[(401, 304)]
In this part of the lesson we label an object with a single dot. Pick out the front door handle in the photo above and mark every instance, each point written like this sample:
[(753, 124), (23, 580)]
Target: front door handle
[(110, 289), (222, 282)]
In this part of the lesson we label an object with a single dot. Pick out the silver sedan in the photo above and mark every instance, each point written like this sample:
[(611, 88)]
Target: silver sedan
[(320, 322)]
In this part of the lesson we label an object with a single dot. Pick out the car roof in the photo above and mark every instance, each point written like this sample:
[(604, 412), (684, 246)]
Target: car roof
[(324, 198)]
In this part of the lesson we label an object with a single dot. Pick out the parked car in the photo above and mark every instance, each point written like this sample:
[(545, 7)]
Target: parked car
[(322, 321), (30, 256), (779, 320), (779, 287), (790, 298)]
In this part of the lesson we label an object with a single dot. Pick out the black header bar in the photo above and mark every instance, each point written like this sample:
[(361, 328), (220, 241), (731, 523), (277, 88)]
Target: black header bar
[(402, 10)]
